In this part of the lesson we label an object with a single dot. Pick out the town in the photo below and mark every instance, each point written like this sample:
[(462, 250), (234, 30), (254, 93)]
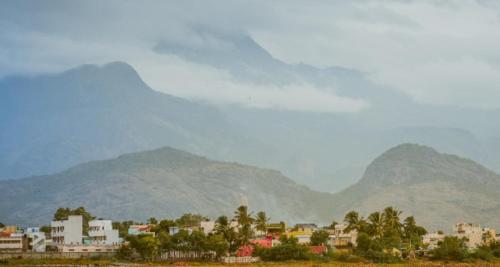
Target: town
[(381, 237)]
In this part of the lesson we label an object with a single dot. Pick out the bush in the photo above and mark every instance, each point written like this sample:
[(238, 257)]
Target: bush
[(284, 252), (451, 248), (483, 253)]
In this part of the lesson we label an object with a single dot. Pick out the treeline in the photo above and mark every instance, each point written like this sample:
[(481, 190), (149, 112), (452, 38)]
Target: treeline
[(382, 237)]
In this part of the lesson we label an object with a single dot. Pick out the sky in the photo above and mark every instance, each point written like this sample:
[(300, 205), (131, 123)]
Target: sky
[(444, 53)]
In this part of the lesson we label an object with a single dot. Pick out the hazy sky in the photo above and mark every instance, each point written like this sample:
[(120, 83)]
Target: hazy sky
[(438, 52)]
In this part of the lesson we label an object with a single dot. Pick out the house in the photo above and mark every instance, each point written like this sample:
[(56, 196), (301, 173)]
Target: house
[(275, 229), (101, 232), (308, 228), (340, 239), (207, 226), (470, 232), (431, 240), (36, 239), (13, 242), (67, 232), (302, 236), (142, 229)]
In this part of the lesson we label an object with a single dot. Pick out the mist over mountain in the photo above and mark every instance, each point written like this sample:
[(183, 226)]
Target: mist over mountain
[(164, 183), (51, 122), (438, 189)]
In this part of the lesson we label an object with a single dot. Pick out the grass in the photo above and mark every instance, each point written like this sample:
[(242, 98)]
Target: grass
[(90, 262)]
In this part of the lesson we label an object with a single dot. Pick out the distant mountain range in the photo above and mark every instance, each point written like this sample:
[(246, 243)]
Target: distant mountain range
[(164, 183), (439, 189), (49, 123)]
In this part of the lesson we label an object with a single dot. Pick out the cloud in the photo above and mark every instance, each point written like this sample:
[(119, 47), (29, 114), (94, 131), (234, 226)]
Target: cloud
[(438, 52), (175, 76)]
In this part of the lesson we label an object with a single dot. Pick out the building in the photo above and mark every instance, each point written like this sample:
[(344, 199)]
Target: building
[(308, 228), (207, 226), (471, 233), (431, 240), (340, 239), (36, 239), (101, 232), (13, 242), (67, 232), (143, 229)]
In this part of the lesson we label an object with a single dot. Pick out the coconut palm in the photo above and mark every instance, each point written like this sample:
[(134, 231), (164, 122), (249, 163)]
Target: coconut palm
[(376, 224), (261, 221)]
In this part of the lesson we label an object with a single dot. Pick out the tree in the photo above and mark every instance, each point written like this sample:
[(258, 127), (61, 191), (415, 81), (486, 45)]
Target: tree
[(164, 226), (391, 220), (332, 225), (245, 221), (223, 228), (2, 225), (146, 245), (376, 224), (218, 244), (190, 220), (152, 220), (63, 213), (412, 232), (354, 222), (451, 248), (319, 238), (261, 221)]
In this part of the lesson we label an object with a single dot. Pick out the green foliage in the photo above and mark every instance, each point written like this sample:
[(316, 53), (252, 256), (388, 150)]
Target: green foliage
[(125, 252), (483, 252), (63, 213), (245, 221), (451, 248), (319, 237), (122, 227), (46, 229), (284, 252), (147, 246), (164, 226), (261, 221), (2, 225), (223, 228), (190, 220), (152, 220)]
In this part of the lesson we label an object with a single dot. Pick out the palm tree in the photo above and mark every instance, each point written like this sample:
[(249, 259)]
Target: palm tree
[(354, 222), (223, 227), (376, 224), (333, 224), (391, 220), (261, 221), (245, 221)]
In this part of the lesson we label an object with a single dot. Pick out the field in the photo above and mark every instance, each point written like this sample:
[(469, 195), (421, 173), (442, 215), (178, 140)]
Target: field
[(88, 262)]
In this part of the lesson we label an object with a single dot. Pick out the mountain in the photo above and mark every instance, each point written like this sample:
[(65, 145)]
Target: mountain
[(164, 183), (51, 122), (438, 189)]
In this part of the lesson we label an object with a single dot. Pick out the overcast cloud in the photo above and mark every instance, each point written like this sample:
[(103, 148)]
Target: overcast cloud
[(438, 52)]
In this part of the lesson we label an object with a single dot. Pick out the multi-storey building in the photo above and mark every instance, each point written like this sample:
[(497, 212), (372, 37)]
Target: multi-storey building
[(67, 232), (101, 232)]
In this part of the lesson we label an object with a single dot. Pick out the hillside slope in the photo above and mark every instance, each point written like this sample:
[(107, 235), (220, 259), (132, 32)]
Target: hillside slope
[(164, 183), (439, 189)]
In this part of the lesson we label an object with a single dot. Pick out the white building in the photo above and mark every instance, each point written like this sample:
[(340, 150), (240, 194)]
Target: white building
[(472, 233), (36, 239), (207, 227), (12, 242), (432, 239), (341, 239), (101, 232), (67, 232)]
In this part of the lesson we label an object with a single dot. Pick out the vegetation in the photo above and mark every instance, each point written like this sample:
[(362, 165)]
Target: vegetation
[(382, 237), (63, 213)]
